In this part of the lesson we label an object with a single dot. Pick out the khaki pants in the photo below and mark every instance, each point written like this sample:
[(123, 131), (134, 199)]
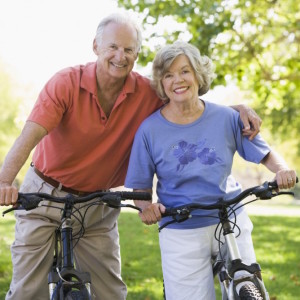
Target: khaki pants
[(97, 252)]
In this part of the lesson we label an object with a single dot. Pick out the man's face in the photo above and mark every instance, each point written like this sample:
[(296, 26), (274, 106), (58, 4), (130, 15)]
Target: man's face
[(117, 50)]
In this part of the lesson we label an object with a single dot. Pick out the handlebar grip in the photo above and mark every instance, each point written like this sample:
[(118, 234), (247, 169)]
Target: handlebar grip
[(273, 184), (136, 195), (168, 212)]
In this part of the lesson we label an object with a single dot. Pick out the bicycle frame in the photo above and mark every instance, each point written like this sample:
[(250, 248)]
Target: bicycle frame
[(248, 283), (229, 261), (63, 276), (64, 280)]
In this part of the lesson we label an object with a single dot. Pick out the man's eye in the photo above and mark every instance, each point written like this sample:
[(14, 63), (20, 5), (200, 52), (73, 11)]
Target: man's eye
[(129, 51)]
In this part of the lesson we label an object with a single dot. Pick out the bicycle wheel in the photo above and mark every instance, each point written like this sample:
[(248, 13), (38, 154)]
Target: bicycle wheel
[(77, 295), (250, 292)]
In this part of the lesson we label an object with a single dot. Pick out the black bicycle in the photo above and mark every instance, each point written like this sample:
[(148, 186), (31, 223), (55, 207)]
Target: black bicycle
[(229, 261), (65, 281)]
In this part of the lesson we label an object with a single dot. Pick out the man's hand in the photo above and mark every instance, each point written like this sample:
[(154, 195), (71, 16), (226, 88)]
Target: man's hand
[(250, 119), (8, 194)]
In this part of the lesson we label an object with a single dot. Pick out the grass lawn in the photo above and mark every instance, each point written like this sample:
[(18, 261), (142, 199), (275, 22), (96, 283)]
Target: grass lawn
[(276, 239)]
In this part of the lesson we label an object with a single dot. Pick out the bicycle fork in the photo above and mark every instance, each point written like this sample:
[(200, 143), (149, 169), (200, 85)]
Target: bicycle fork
[(63, 273), (233, 263)]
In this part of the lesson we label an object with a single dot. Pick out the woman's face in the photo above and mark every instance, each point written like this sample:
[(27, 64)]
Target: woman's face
[(179, 81)]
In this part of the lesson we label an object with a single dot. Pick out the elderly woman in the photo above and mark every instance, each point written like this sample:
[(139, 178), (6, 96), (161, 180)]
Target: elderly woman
[(189, 144)]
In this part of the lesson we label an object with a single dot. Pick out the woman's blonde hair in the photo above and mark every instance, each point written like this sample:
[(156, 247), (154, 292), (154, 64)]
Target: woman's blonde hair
[(202, 65)]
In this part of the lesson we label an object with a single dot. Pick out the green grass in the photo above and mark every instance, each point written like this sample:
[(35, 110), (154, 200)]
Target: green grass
[(276, 240), (6, 239)]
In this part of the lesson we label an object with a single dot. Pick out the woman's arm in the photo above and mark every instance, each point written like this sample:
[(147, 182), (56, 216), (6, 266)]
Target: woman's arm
[(285, 177)]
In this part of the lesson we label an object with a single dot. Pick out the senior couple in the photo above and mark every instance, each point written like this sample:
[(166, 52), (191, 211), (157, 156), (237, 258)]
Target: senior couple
[(82, 127)]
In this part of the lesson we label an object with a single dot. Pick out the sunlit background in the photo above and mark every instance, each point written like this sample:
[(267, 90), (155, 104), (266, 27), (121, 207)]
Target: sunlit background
[(40, 37), (259, 50)]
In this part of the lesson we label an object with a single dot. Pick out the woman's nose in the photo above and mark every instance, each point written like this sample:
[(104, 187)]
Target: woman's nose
[(178, 78)]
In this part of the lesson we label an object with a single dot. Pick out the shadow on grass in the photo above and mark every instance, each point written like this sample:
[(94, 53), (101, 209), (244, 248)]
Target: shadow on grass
[(6, 238), (276, 240), (141, 265)]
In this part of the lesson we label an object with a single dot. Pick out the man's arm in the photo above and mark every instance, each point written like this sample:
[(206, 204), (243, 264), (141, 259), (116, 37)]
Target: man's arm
[(151, 212), (250, 119), (31, 134)]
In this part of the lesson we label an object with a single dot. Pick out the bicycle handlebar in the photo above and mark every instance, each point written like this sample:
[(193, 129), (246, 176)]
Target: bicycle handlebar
[(30, 201), (264, 192), (182, 213)]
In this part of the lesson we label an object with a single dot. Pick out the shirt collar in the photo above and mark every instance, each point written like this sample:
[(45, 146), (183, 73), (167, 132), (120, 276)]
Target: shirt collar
[(89, 80), (130, 82)]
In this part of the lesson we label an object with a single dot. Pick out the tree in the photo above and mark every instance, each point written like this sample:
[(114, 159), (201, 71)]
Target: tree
[(254, 44), (9, 105)]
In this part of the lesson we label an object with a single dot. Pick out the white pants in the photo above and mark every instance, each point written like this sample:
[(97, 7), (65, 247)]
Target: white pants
[(186, 259)]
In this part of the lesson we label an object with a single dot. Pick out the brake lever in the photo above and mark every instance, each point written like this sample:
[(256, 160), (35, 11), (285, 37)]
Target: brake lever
[(131, 206), (9, 210), (113, 201), (285, 193), (266, 191)]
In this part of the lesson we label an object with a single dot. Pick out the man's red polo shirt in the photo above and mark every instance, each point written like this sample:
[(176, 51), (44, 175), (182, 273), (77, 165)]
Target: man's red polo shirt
[(83, 149)]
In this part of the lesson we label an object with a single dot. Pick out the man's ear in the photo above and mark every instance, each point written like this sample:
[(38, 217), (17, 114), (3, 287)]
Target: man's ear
[(95, 47), (137, 55)]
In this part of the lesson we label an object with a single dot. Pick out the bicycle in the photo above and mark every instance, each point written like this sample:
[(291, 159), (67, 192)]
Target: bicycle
[(64, 280), (229, 261)]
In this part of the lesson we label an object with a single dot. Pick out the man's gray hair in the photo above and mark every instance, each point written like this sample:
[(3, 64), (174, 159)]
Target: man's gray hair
[(119, 18)]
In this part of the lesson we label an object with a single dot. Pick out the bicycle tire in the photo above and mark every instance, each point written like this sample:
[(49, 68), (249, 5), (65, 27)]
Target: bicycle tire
[(250, 292), (76, 295)]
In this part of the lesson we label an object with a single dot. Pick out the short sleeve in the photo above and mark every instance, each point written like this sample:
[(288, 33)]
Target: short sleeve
[(141, 167)]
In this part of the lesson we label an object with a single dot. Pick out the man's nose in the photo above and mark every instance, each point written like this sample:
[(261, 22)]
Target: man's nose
[(120, 53)]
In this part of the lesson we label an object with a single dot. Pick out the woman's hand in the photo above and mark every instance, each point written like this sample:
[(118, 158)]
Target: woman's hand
[(286, 178), (152, 213)]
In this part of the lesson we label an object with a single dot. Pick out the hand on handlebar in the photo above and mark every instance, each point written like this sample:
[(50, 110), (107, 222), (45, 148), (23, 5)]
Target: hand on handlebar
[(286, 179), (151, 214), (8, 194)]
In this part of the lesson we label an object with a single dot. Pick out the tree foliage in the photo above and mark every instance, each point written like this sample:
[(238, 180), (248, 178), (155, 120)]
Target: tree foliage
[(255, 44), (9, 105)]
